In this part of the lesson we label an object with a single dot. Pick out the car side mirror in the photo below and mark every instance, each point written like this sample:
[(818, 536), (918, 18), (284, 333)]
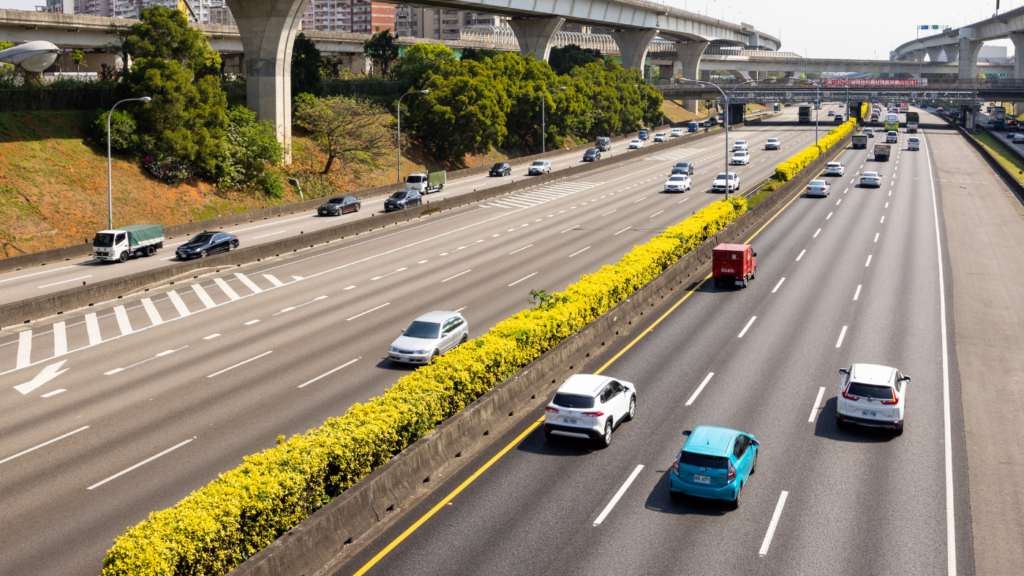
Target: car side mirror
[(906, 379), (844, 371), (402, 330), (687, 432), (755, 254)]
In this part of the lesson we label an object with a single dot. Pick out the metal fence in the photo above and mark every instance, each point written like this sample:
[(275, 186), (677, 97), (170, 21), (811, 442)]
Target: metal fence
[(48, 98)]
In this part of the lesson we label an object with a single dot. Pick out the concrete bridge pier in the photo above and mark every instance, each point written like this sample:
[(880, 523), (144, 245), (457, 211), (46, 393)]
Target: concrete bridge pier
[(688, 65), (1018, 45), (969, 49), (952, 52), (535, 35), (267, 29), (633, 46), (933, 53)]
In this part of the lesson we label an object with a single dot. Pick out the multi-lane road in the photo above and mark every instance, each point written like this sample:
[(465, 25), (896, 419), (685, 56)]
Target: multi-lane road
[(859, 276), (119, 410)]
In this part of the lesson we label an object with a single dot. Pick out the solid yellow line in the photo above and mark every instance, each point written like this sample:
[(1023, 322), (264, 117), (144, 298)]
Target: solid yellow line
[(533, 426), (447, 499)]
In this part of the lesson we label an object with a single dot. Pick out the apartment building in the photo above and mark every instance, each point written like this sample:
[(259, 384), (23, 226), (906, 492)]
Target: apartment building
[(103, 8), (439, 24)]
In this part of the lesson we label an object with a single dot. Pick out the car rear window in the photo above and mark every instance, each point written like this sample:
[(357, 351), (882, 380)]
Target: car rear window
[(817, 183), (870, 391), (573, 401), (703, 461)]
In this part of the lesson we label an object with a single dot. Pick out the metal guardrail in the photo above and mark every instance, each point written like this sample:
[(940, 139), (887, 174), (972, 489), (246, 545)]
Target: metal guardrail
[(503, 35)]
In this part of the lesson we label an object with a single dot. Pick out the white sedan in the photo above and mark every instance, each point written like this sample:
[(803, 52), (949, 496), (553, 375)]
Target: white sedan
[(677, 183), (636, 143), (677, 132), (870, 179), (872, 395), (834, 169), (1018, 138), (660, 137), (739, 145), (740, 157), (818, 188)]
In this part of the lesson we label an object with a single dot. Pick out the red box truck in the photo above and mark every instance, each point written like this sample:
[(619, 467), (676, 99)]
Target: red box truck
[(733, 264)]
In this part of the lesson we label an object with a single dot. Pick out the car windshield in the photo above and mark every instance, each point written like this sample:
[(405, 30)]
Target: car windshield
[(741, 143), (573, 401), (678, 179), (773, 140), (416, 179), (538, 163), (722, 176), (103, 240), (591, 152), (870, 391), (702, 461), (398, 196), (683, 165), (335, 200), (201, 239), (423, 330), (497, 167)]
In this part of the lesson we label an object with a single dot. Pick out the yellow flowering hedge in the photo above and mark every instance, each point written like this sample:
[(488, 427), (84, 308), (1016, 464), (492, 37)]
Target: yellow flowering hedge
[(785, 171), (218, 526)]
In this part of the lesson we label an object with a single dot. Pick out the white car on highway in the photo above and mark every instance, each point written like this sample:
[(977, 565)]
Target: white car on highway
[(677, 132), (773, 144), (915, 143), (870, 179), (724, 183), (818, 188), (540, 167), (677, 183), (739, 145), (428, 337), (872, 395), (834, 169), (740, 157), (660, 137), (589, 407), (636, 143), (1018, 138)]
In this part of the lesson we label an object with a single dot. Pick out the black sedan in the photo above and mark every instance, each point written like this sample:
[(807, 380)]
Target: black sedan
[(403, 199), (592, 155), (339, 205), (501, 169), (205, 244)]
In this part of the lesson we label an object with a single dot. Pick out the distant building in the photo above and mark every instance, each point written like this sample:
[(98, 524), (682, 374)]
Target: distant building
[(440, 24), (58, 7), (103, 8), (221, 15), (993, 54)]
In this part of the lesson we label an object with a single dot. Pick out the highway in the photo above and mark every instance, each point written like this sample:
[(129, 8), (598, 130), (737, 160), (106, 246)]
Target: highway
[(859, 276), (54, 277), (120, 410)]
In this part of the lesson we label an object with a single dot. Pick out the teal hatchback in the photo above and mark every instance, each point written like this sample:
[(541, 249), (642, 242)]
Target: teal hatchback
[(714, 463)]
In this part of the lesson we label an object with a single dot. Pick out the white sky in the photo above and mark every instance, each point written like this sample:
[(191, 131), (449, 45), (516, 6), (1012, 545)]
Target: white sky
[(829, 29)]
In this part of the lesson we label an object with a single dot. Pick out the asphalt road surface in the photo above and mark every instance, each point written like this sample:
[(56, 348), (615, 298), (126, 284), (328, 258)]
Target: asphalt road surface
[(859, 276), (117, 411)]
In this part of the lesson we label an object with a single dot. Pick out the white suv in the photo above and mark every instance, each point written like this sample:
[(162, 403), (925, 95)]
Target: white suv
[(588, 406), (540, 167), (739, 145), (872, 395)]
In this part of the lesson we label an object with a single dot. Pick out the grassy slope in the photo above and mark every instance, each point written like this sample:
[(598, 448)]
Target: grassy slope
[(1011, 161)]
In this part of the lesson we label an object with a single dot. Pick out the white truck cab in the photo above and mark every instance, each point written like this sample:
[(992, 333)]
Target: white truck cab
[(123, 243)]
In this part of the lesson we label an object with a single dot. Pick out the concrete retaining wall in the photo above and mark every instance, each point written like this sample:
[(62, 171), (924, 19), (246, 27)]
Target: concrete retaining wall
[(34, 309), (312, 544)]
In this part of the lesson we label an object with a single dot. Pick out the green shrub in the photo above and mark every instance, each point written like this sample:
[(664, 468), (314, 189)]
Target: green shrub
[(122, 130), (220, 525)]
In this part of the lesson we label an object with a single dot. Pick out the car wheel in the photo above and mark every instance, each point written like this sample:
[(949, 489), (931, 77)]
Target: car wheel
[(744, 281), (150, 250), (606, 439), (232, 246), (465, 337), (899, 431), (839, 422), (123, 257), (736, 502), (433, 357), (632, 408), (548, 436), (753, 467), (204, 253)]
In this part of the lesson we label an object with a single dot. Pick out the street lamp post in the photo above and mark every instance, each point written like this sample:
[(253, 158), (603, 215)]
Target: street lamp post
[(400, 129), (110, 177), (544, 121), (817, 107), (726, 123), (708, 6)]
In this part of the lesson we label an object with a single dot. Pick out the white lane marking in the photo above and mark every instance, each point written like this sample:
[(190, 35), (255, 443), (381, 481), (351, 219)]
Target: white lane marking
[(801, 255), (618, 495), (122, 320), (639, 199), (887, 205), (152, 312), (621, 231), (263, 225), (838, 201), (165, 353), (48, 442), (54, 393), (265, 235), (656, 213), (607, 213), (297, 278), (700, 388), (251, 322), (179, 304), (567, 229), (66, 281), (277, 283), (816, 233), (946, 418), (876, 236), (845, 191), (24, 349), (203, 296), (92, 326), (773, 524), (395, 272), (290, 308), (521, 279), (747, 327), (683, 200), (857, 293), (325, 374), (211, 336), (47, 374), (817, 402), (43, 272), (367, 312), (227, 289), (883, 220), (349, 288), (581, 251), (239, 364), (868, 263), (519, 250), (144, 462), (248, 283), (842, 334), (890, 192), (456, 276), (114, 371), (774, 290), (829, 216), (60, 339)]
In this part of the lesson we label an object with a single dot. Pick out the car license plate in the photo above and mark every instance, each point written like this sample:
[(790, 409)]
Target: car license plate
[(569, 421), (869, 413), (702, 479)]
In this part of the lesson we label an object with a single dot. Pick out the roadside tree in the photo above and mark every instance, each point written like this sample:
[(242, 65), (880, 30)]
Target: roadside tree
[(353, 131)]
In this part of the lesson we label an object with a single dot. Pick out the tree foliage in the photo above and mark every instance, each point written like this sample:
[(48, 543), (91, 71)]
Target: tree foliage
[(165, 34), (479, 55), (123, 137), (419, 58), (78, 57), (383, 53), (307, 64), (563, 60), (353, 131), (253, 150)]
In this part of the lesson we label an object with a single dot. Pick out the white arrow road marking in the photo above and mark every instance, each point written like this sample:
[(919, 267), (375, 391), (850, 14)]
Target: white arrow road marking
[(48, 373)]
